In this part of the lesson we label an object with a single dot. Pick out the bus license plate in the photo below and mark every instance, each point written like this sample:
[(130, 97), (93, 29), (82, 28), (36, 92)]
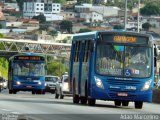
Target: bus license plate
[(123, 94), (29, 86)]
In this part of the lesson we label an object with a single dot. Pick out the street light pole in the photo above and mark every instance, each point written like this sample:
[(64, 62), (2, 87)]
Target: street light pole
[(125, 22), (138, 16)]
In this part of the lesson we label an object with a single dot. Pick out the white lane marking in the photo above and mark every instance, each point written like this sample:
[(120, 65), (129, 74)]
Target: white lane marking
[(5, 110)]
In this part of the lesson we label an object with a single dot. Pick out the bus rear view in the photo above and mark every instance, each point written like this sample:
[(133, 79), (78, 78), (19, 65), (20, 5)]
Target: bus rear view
[(120, 69)]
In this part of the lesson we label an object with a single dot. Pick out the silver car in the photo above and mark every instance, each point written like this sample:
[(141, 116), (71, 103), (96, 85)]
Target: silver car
[(50, 83), (62, 87)]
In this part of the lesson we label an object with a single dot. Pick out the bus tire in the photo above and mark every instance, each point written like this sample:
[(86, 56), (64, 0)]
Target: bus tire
[(10, 91), (75, 97), (14, 92), (83, 100), (138, 105), (33, 92), (91, 101), (125, 103), (117, 103)]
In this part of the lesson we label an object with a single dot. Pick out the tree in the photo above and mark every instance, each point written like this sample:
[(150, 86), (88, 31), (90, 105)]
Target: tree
[(20, 4), (41, 18), (53, 33), (118, 27), (1, 35), (55, 68), (84, 30), (66, 25), (146, 26), (150, 9)]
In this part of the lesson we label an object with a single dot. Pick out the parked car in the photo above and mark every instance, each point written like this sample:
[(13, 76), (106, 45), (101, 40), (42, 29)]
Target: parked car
[(50, 83), (62, 87), (5, 83)]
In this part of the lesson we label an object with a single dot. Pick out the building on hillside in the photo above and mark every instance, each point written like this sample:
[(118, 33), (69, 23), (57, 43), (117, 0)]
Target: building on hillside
[(11, 6), (153, 20), (35, 7), (104, 10), (92, 16)]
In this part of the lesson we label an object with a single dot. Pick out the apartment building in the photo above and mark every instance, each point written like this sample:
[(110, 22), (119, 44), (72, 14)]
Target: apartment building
[(50, 9)]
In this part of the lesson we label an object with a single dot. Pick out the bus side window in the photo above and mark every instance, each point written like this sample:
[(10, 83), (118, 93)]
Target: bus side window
[(87, 50), (77, 52)]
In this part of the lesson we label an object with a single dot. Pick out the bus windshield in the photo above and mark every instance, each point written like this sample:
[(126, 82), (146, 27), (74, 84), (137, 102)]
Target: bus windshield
[(123, 61), (29, 69)]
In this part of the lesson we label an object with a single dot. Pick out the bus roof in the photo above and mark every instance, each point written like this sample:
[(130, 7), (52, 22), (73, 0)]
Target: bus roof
[(92, 35)]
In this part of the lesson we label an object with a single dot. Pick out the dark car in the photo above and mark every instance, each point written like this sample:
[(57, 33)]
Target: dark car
[(50, 83)]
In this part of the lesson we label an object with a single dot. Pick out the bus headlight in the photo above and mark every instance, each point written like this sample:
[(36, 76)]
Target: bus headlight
[(99, 83), (146, 85), (39, 83), (1, 84), (45, 84), (65, 86), (18, 83)]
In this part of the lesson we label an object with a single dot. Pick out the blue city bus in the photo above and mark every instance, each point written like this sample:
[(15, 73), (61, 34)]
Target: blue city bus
[(112, 65), (26, 73)]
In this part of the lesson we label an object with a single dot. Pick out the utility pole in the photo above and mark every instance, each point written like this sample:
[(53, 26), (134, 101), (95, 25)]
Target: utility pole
[(125, 22), (138, 16)]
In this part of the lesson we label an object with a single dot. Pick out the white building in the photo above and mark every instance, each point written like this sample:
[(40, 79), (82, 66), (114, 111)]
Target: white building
[(50, 10), (105, 10), (92, 16), (11, 6)]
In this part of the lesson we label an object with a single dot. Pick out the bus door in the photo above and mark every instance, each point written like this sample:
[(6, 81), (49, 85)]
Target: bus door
[(84, 70), (76, 65)]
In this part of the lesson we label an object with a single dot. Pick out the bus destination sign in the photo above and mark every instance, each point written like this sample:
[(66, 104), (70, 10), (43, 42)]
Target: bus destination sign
[(28, 58), (124, 39)]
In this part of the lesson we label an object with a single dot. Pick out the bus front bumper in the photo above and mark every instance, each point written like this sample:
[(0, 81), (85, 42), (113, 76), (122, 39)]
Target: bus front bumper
[(28, 87), (145, 96)]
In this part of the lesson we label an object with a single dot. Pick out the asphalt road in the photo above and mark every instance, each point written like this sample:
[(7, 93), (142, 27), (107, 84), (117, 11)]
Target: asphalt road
[(25, 106)]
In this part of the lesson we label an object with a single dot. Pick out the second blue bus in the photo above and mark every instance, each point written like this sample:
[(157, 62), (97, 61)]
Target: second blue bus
[(26, 73)]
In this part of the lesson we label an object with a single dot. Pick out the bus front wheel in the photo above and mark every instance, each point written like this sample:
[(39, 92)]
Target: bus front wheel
[(10, 91), (125, 103), (117, 103), (33, 92), (138, 105)]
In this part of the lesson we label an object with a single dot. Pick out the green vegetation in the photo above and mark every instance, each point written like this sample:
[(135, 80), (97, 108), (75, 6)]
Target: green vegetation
[(146, 26), (42, 20), (66, 26), (118, 27), (151, 8), (1, 35), (84, 30), (53, 33), (56, 68), (4, 67)]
